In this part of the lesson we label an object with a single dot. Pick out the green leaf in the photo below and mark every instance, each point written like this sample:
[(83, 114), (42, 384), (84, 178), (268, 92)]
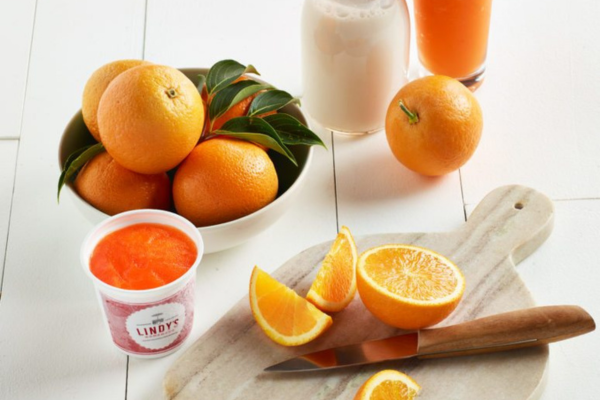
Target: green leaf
[(271, 100), (293, 132), (258, 131), (224, 72), (260, 138), (232, 95), (75, 161), (201, 82), (68, 162)]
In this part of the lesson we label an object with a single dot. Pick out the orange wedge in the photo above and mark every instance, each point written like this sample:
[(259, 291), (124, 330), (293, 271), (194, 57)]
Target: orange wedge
[(335, 285), (408, 287), (388, 384), (283, 315)]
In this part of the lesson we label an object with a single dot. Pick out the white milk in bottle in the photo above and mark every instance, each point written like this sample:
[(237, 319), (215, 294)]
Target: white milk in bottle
[(354, 59)]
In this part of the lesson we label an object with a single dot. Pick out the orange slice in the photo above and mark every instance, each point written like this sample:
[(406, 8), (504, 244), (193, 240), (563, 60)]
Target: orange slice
[(335, 285), (388, 384), (283, 315), (408, 287)]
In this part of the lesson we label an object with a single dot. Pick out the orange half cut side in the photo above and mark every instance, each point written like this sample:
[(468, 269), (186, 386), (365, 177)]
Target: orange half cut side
[(408, 287), (387, 385)]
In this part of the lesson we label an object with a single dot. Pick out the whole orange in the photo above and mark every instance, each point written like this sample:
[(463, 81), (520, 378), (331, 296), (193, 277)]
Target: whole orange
[(95, 87), (239, 109), (433, 125), (150, 118), (223, 179), (112, 189)]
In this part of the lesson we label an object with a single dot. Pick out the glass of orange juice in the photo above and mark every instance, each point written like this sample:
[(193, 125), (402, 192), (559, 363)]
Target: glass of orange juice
[(452, 38)]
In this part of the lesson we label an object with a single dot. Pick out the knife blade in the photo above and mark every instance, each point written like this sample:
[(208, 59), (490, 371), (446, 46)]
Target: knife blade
[(507, 331)]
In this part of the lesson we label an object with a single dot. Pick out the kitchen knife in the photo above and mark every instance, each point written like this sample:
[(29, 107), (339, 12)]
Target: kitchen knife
[(512, 330)]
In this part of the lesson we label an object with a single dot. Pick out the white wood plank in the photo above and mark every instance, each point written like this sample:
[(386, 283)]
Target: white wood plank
[(52, 340), (564, 270), (16, 28), (195, 33), (540, 101), (377, 194), (8, 159), (223, 277)]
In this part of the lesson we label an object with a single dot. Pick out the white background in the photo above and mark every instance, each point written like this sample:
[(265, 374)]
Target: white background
[(540, 101)]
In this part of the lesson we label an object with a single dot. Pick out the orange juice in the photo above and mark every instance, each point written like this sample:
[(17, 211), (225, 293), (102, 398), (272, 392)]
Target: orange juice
[(452, 35)]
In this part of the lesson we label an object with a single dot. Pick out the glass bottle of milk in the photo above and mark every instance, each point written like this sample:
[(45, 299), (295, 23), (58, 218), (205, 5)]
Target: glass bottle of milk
[(354, 60)]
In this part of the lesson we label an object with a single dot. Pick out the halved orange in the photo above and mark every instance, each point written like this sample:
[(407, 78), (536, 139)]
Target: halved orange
[(388, 384), (408, 287), (283, 315), (335, 285)]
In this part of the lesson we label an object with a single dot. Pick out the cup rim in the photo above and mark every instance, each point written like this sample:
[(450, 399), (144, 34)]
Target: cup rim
[(85, 253)]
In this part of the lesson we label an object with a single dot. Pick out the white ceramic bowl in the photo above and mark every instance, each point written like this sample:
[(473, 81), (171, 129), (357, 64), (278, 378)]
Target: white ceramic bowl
[(216, 237)]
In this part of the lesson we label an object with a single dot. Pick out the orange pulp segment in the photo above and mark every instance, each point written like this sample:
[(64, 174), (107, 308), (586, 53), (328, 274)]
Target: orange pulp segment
[(388, 384), (335, 285), (408, 287), (285, 317), (143, 256)]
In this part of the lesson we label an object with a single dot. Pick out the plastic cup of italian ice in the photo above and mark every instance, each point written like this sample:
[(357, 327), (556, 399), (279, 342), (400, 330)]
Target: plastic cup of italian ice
[(146, 323)]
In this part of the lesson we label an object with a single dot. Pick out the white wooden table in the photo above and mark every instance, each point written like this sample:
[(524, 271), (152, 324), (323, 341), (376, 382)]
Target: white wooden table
[(540, 102)]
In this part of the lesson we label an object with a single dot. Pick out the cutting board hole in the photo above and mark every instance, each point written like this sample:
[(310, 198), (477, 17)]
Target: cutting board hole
[(519, 206)]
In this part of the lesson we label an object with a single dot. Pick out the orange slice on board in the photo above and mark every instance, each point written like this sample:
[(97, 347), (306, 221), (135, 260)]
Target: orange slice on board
[(388, 384), (408, 287), (335, 285), (283, 315)]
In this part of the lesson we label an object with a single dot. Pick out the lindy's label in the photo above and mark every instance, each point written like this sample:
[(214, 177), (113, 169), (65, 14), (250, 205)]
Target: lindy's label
[(151, 328), (156, 327)]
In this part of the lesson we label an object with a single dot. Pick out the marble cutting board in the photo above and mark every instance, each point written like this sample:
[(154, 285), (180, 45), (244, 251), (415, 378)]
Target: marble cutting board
[(226, 363)]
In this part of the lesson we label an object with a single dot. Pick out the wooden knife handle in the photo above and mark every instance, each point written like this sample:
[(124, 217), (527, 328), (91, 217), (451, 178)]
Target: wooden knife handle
[(511, 330)]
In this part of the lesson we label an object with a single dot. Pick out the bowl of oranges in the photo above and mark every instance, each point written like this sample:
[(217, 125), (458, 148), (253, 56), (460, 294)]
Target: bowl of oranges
[(218, 146)]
